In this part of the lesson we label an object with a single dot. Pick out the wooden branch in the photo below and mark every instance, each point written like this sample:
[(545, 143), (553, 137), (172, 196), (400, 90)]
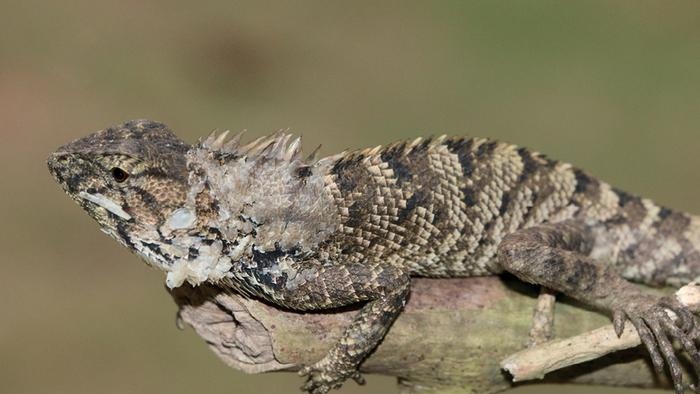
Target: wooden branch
[(450, 338)]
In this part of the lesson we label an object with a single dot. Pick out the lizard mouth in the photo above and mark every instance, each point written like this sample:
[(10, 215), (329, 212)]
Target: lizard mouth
[(106, 203)]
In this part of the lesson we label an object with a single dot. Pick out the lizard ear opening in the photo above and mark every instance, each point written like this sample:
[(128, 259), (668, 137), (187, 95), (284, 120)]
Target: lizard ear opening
[(119, 175)]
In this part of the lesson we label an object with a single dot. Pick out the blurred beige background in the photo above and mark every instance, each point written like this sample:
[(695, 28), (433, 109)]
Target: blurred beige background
[(610, 86)]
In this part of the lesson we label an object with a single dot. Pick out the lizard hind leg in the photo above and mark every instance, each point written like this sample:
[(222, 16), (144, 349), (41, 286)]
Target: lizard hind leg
[(557, 256)]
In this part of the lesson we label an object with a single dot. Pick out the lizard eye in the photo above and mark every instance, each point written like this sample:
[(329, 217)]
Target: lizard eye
[(119, 175)]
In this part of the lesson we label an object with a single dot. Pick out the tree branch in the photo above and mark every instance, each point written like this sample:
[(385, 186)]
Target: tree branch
[(450, 337)]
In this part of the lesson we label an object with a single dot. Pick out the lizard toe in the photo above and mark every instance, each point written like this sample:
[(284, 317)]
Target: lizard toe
[(689, 347), (686, 320), (619, 319), (358, 378), (666, 348), (647, 338)]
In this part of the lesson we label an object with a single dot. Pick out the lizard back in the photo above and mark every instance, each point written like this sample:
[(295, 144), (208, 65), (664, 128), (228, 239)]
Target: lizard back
[(441, 207)]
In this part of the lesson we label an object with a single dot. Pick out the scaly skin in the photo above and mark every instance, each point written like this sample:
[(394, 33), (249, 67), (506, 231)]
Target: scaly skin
[(355, 227)]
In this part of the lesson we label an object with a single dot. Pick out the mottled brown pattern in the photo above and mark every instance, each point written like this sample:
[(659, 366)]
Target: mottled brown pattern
[(355, 227)]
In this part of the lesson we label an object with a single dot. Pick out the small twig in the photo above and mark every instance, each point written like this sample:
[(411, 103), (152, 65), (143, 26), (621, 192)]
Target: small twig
[(542, 329), (535, 362)]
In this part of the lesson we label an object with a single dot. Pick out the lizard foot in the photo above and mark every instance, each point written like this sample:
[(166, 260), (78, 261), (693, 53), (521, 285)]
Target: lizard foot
[(657, 330), (323, 376)]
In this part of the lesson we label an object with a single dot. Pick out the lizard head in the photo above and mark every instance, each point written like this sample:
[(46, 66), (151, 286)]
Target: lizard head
[(127, 177)]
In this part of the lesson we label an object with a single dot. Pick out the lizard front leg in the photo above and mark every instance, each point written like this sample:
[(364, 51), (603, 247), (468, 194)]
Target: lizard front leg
[(359, 339), (384, 288), (557, 256)]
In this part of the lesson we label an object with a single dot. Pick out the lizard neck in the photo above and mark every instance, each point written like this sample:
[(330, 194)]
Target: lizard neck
[(279, 203), (241, 207)]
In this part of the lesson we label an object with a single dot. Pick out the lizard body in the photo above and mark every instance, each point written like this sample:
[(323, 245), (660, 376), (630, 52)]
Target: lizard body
[(311, 234)]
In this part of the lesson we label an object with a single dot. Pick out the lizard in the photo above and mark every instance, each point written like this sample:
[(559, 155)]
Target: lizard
[(313, 233)]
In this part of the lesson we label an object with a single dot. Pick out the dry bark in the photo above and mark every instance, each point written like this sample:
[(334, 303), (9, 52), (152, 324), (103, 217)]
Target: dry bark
[(451, 337)]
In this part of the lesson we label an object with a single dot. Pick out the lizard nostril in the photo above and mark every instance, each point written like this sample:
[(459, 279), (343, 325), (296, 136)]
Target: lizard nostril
[(54, 168)]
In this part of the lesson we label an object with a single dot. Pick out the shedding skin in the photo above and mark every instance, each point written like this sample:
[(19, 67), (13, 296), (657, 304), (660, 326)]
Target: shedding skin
[(353, 228)]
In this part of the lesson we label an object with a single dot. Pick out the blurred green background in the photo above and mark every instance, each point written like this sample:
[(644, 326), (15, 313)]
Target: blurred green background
[(609, 86)]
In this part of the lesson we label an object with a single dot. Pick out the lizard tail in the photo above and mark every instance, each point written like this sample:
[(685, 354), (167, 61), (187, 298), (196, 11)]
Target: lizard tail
[(664, 249)]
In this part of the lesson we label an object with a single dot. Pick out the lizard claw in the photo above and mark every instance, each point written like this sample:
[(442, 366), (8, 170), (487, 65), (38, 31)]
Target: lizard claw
[(657, 330), (322, 377), (358, 378)]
